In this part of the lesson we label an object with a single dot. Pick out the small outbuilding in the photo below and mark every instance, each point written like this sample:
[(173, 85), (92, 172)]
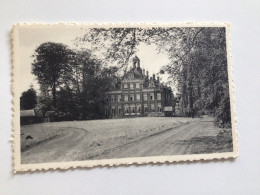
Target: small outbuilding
[(28, 117)]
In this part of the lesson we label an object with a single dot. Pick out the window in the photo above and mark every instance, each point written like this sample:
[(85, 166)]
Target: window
[(107, 99), (152, 108), (125, 86), (138, 108), (113, 110), (151, 96), (119, 110), (145, 96), (137, 85), (159, 107), (112, 98), (106, 111), (126, 98), (159, 97), (132, 109), (119, 98), (132, 97), (138, 97), (145, 108), (126, 108), (131, 85)]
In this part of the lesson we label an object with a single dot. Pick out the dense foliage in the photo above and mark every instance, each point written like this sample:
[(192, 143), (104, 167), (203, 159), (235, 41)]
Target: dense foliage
[(52, 66), (71, 82), (28, 100)]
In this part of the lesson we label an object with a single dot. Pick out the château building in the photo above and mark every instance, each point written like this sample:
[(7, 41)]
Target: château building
[(137, 94)]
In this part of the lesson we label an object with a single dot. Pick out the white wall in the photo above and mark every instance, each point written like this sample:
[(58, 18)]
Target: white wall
[(241, 176)]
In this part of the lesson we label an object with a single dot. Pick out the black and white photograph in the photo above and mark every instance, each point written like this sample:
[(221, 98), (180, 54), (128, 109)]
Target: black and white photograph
[(121, 94), (129, 97)]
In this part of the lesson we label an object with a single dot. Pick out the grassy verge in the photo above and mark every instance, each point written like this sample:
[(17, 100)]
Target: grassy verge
[(211, 144)]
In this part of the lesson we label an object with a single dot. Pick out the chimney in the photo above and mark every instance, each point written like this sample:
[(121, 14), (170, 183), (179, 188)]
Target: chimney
[(153, 76), (158, 78), (143, 71), (147, 74)]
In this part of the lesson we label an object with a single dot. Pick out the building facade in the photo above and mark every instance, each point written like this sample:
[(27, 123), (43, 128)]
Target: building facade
[(137, 94)]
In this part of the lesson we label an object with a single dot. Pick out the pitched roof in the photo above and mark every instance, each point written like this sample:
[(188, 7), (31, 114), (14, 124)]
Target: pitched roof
[(27, 112)]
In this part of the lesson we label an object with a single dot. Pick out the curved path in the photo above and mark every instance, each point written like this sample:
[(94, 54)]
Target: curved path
[(174, 141)]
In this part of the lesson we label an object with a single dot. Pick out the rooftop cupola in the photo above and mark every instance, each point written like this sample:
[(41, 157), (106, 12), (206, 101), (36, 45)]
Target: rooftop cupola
[(136, 62), (153, 76)]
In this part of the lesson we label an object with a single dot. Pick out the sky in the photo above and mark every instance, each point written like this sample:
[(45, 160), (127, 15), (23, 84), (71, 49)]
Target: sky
[(31, 37)]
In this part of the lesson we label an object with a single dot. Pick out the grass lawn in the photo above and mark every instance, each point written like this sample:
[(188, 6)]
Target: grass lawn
[(99, 130)]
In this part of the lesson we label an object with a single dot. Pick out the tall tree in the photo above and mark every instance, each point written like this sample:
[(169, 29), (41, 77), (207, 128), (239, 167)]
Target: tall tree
[(200, 69), (52, 66), (28, 100), (90, 79)]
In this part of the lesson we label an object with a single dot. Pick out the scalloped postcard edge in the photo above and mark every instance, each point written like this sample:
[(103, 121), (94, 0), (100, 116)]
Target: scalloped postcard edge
[(18, 167)]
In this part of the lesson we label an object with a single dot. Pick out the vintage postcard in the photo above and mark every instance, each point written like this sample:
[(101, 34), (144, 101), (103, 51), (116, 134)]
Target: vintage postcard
[(90, 95)]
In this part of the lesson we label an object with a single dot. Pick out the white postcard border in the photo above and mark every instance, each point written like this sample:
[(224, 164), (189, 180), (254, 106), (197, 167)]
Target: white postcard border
[(18, 167)]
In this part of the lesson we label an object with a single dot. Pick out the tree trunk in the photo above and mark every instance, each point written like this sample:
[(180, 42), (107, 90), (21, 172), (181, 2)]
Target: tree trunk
[(54, 100), (84, 92)]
